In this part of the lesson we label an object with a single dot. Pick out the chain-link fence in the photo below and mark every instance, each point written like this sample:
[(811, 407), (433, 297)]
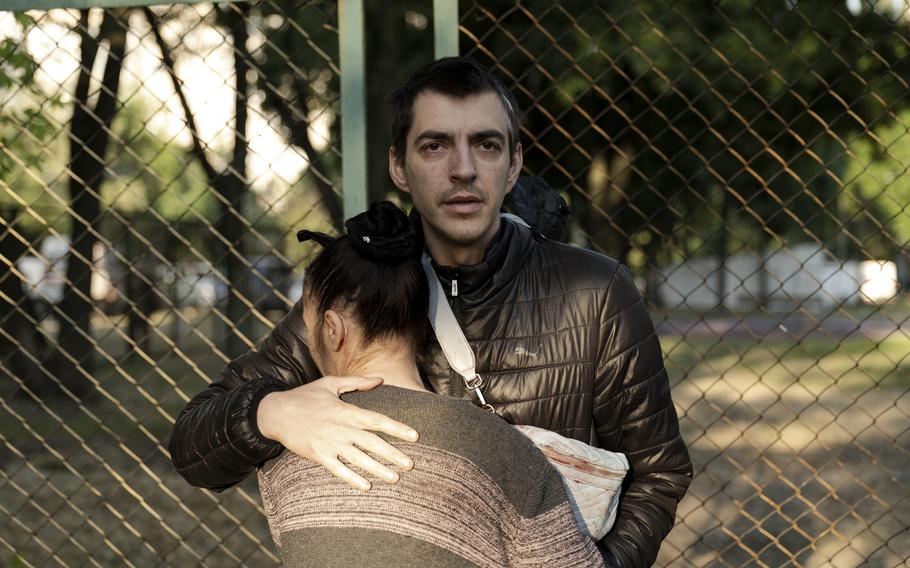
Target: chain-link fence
[(747, 160)]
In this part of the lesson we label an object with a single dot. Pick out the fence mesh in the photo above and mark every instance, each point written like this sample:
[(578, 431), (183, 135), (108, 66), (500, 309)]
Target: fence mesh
[(746, 160)]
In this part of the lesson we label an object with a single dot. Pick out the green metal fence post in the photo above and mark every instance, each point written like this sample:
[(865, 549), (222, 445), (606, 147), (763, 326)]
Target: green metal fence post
[(353, 107), (445, 28)]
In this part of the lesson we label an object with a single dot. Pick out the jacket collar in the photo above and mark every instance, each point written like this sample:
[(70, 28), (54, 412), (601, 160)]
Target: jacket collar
[(503, 259)]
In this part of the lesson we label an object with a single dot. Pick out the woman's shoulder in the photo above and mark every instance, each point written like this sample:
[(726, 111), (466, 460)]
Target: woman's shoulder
[(467, 432), (442, 421)]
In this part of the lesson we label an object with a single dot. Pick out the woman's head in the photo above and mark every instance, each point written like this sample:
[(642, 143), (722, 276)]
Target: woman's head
[(366, 285)]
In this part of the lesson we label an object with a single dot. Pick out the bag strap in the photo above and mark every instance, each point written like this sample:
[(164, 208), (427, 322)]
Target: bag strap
[(451, 338)]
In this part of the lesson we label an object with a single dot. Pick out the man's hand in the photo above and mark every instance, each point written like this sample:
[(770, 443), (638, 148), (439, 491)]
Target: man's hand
[(313, 422)]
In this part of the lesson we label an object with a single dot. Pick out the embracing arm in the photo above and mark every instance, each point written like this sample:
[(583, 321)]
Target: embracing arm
[(260, 405), (216, 442), (634, 397)]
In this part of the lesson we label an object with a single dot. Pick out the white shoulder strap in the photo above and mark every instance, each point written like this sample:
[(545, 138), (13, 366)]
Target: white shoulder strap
[(454, 344)]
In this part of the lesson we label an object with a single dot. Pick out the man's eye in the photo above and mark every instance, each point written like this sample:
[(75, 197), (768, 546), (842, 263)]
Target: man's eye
[(488, 145), (433, 146)]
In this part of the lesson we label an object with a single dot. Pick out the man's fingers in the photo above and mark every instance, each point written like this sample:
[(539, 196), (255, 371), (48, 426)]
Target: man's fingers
[(362, 461), (342, 385), (382, 449), (344, 473), (369, 420)]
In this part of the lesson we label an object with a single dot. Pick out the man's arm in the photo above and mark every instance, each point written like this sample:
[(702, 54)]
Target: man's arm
[(265, 401), (216, 441), (632, 381)]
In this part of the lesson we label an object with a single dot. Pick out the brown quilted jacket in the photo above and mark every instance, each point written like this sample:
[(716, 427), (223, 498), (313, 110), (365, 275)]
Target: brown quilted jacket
[(563, 342)]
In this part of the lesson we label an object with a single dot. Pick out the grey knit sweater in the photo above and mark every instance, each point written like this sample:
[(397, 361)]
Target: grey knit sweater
[(480, 494)]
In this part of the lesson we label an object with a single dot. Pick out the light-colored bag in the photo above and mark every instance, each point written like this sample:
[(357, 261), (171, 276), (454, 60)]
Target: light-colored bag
[(592, 476)]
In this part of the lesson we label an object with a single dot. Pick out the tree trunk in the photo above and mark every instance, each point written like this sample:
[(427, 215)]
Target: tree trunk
[(653, 277), (21, 343), (764, 284), (229, 256), (722, 247), (231, 187), (89, 136), (139, 292)]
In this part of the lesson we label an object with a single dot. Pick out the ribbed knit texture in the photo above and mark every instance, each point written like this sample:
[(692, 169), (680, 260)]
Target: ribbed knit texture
[(480, 494)]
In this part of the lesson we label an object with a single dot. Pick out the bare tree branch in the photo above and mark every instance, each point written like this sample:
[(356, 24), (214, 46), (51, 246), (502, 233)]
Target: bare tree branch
[(168, 61), (298, 125)]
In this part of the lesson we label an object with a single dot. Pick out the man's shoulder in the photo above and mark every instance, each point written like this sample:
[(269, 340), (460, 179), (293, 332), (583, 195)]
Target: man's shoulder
[(579, 265)]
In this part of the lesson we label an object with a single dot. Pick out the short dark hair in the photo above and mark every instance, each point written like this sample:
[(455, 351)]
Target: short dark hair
[(387, 297), (453, 76)]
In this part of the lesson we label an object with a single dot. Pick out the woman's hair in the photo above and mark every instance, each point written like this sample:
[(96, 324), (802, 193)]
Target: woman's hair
[(374, 272)]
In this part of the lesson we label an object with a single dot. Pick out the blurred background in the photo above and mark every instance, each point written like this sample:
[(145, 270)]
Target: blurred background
[(747, 160)]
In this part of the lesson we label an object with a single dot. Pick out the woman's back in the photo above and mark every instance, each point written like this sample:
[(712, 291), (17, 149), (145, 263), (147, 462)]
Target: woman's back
[(480, 494)]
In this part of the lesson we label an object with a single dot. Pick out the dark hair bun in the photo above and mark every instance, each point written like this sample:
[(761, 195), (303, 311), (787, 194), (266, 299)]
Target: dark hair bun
[(383, 234)]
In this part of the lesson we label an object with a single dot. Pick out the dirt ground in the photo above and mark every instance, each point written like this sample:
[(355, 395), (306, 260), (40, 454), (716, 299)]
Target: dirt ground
[(800, 460), (808, 482)]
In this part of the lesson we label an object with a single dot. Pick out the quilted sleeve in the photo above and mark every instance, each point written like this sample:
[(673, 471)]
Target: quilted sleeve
[(633, 395), (215, 442)]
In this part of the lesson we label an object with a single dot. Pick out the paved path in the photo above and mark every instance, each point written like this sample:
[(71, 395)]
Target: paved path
[(837, 326)]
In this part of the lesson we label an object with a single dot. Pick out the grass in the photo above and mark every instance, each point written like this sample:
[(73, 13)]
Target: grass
[(853, 365)]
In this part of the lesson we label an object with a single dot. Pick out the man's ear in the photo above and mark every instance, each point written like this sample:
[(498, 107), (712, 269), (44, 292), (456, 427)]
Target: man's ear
[(396, 172), (333, 331), (515, 167)]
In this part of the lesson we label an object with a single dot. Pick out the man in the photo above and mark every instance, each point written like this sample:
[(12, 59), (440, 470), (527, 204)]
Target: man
[(561, 335)]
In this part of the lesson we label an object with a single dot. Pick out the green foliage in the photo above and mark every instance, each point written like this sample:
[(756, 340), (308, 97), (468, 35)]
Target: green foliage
[(17, 67), (724, 121), (27, 127), (152, 174), (877, 193)]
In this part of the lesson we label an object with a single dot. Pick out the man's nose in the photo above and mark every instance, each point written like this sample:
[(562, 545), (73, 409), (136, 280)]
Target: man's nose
[(462, 163)]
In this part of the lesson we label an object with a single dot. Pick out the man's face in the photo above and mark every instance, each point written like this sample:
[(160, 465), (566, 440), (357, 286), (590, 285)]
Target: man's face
[(457, 170)]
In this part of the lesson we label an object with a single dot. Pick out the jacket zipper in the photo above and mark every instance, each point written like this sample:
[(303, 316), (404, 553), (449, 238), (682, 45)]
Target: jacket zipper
[(457, 388)]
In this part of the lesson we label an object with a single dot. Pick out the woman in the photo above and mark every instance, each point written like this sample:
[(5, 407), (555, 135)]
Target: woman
[(480, 493)]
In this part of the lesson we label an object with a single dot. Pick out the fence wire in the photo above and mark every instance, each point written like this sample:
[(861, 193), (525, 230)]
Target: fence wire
[(746, 160)]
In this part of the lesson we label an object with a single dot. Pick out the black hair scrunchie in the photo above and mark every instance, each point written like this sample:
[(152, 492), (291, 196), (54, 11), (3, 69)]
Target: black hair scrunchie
[(323, 239), (383, 234)]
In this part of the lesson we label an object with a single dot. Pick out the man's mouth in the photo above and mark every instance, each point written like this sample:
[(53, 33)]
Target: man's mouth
[(463, 204)]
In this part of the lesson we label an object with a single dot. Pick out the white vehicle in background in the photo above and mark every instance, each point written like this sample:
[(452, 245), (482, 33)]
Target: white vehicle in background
[(191, 284), (197, 284), (45, 273), (187, 284)]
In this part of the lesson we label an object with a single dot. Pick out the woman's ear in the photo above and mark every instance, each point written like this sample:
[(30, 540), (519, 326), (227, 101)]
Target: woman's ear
[(333, 330)]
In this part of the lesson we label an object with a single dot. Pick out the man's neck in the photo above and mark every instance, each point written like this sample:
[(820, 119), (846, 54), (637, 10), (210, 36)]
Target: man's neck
[(446, 253)]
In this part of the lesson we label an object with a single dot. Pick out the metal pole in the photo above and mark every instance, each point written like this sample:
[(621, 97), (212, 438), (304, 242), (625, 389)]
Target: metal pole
[(353, 107), (445, 28)]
